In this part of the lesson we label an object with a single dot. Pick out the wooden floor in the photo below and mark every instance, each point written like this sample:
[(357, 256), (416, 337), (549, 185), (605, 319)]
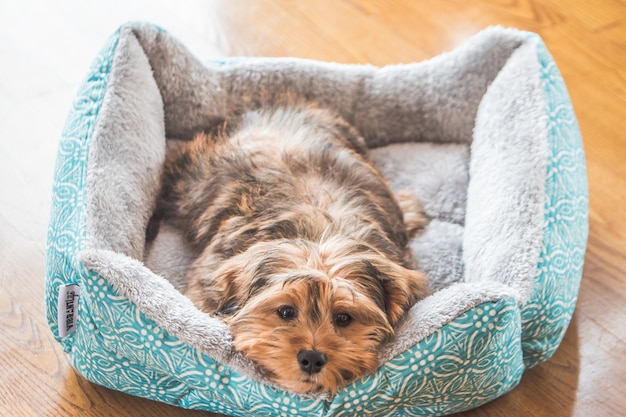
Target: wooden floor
[(45, 50)]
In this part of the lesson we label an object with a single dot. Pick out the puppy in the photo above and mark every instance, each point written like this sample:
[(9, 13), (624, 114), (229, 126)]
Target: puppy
[(301, 246)]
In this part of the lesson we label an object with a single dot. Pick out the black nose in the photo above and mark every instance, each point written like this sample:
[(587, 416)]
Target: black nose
[(311, 361)]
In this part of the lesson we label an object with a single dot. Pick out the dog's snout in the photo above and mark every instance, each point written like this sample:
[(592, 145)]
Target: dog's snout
[(311, 361)]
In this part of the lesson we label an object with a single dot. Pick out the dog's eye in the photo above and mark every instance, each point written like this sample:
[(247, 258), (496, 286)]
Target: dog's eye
[(287, 313), (342, 319)]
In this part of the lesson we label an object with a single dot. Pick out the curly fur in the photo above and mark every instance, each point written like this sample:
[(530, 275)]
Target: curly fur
[(284, 208)]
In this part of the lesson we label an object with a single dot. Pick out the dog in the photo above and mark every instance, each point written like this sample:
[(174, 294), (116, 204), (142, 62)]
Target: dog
[(301, 246)]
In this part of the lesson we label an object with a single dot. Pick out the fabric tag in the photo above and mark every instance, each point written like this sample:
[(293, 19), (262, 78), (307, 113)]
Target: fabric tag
[(68, 309)]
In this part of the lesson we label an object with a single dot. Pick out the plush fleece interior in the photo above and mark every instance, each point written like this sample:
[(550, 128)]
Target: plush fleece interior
[(464, 131)]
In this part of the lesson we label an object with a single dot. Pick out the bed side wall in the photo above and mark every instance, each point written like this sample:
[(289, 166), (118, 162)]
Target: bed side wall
[(546, 316), (506, 192), (66, 231)]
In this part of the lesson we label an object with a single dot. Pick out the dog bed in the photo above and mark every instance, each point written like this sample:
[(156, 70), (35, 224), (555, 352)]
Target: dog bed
[(485, 135)]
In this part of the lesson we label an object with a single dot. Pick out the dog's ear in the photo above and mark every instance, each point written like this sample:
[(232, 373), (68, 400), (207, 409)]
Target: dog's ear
[(215, 292), (403, 288)]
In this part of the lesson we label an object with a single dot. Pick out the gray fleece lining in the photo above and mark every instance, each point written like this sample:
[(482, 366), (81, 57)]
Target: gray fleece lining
[(486, 201)]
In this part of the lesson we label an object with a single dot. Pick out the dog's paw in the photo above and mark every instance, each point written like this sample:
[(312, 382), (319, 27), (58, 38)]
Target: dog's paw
[(414, 217)]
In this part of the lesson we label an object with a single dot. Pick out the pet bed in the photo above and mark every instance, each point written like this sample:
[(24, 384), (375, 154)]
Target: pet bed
[(485, 135)]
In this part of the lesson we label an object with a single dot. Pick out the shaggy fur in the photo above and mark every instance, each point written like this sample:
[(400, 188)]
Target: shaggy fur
[(302, 249)]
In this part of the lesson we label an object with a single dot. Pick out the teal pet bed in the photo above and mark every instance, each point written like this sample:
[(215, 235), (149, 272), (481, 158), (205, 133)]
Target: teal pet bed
[(485, 135)]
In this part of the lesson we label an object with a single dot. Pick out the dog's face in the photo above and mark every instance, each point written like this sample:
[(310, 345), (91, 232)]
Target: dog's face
[(311, 315)]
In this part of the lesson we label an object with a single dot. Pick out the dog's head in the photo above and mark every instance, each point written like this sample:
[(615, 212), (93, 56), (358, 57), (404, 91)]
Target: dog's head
[(311, 315)]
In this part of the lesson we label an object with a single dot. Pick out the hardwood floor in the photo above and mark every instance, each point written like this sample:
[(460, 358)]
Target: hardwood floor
[(46, 47)]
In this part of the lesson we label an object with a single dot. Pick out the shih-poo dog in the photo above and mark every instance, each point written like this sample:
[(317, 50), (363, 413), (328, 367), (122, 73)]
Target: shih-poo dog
[(301, 246)]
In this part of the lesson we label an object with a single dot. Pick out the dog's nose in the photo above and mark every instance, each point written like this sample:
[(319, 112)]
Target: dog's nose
[(311, 361)]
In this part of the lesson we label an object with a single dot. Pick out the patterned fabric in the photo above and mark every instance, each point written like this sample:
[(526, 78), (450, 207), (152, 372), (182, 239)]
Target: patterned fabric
[(66, 230), (475, 358), (546, 316)]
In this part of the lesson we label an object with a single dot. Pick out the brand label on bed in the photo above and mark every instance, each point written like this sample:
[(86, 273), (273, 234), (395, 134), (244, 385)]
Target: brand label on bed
[(68, 308)]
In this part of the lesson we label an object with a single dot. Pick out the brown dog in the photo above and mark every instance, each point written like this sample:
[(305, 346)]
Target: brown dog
[(301, 245)]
